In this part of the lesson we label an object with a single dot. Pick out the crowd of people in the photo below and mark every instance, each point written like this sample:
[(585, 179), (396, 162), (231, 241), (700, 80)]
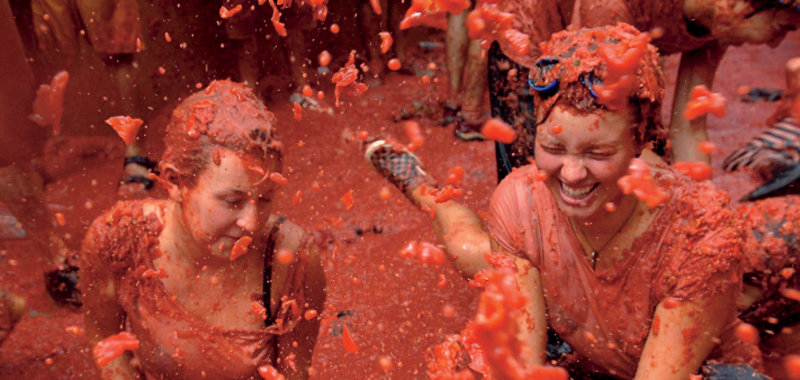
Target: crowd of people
[(637, 267)]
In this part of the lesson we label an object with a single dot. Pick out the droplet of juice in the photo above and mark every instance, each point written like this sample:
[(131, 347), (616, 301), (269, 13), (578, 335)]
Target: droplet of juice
[(284, 256), (335, 28), (324, 58), (394, 64)]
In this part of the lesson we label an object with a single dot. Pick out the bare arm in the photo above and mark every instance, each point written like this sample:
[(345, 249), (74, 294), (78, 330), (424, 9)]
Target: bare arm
[(697, 67), (103, 315), (533, 321), (299, 343), (682, 335), (460, 230)]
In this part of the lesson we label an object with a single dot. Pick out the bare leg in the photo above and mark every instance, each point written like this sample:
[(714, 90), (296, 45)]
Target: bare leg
[(126, 82), (456, 49), (295, 48), (696, 68), (371, 25), (248, 62), (475, 82)]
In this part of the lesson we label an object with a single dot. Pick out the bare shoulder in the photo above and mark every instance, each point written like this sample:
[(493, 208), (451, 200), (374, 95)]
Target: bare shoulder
[(290, 236)]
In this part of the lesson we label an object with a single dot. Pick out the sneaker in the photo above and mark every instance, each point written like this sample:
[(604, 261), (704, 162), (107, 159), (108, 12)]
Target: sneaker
[(401, 167), (468, 131)]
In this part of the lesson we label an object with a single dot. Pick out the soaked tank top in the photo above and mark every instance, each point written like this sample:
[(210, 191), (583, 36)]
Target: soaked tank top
[(173, 343), (690, 250)]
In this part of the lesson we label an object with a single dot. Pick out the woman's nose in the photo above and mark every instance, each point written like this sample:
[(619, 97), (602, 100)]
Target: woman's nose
[(572, 170), (248, 218)]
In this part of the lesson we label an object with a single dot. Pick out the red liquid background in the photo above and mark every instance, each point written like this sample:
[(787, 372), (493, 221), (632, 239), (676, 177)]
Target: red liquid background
[(396, 312)]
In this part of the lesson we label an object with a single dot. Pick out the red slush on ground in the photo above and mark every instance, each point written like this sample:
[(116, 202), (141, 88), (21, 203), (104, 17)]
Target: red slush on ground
[(498, 130), (126, 127), (703, 101), (112, 347), (49, 103), (345, 79), (240, 247), (639, 182)]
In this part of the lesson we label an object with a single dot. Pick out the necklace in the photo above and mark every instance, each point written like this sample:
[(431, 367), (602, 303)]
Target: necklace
[(595, 254)]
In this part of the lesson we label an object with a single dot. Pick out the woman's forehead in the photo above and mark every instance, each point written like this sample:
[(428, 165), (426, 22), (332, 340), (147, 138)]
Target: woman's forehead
[(565, 123)]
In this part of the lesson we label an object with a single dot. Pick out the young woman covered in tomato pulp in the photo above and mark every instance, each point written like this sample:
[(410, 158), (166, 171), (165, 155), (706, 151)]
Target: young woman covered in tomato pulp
[(208, 281), (640, 284)]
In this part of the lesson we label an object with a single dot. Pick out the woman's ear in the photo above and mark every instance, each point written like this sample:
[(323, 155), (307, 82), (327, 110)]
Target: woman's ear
[(172, 181)]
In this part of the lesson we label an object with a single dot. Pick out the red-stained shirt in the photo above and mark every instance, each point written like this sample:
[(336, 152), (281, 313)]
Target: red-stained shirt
[(173, 343), (691, 250)]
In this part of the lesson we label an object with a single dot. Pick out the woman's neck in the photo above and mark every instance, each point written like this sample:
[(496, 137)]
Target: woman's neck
[(601, 227)]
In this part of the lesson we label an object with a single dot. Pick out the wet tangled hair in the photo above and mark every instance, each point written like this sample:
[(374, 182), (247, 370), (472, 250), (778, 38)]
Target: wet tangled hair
[(571, 69), (224, 114)]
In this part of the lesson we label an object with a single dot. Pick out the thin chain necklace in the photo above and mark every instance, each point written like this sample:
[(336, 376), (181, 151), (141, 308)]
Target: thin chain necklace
[(595, 254)]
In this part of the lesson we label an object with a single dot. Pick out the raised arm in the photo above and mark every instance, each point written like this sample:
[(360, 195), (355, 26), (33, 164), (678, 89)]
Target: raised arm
[(456, 226), (459, 230)]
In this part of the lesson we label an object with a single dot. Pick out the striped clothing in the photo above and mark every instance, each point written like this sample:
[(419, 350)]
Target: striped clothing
[(773, 149)]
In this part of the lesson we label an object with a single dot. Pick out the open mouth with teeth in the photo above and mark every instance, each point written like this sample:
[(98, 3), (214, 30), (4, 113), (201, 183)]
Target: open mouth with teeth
[(576, 195)]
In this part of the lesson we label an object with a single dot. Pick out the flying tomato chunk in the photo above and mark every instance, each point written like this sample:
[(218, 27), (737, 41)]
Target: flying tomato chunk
[(49, 104), (432, 13), (347, 340), (228, 13), (126, 127), (240, 247), (639, 182), (498, 130), (386, 41), (280, 28), (697, 170), (112, 347), (703, 101), (345, 79)]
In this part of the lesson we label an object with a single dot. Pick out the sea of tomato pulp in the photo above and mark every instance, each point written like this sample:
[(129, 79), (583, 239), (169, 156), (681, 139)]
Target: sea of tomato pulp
[(393, 307)]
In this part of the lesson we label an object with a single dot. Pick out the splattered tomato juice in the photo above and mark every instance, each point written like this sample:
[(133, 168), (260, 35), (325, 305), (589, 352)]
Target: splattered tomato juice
[(392, 309)]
